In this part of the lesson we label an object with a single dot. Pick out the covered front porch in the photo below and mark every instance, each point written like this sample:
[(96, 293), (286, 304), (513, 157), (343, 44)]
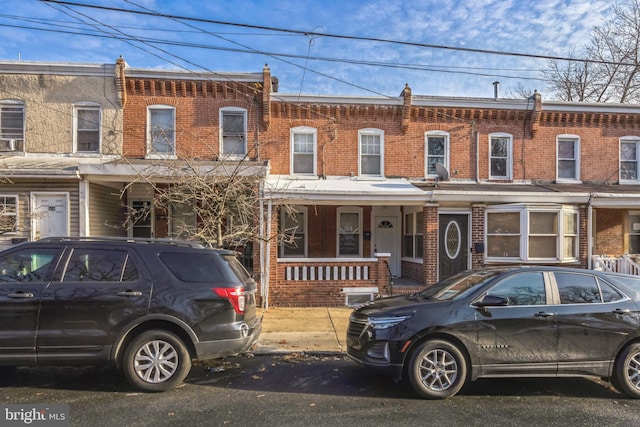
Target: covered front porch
[(343, 240)]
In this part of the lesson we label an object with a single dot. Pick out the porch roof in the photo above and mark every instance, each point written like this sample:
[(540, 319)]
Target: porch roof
[(596, 195), (344, 190), (45, 166), (166, 170)]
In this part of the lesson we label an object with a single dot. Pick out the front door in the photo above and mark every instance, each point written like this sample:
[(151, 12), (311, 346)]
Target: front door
[(386, 241), (51, 215), (453, 244)]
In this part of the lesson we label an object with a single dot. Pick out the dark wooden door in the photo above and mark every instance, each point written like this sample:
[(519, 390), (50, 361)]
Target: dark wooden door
[(453, 244)]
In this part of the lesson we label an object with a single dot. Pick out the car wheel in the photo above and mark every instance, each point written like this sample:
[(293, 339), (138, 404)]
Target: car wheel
[(437, 369), (156, 361), (627, 371)]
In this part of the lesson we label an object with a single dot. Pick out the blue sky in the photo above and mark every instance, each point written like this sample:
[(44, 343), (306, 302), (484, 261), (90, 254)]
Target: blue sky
[(316, 64)]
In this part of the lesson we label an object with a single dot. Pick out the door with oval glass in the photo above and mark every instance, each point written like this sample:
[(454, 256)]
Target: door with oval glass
[(453, 244)]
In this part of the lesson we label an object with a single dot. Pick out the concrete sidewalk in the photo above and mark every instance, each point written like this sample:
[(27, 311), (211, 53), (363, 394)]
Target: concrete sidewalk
[(313, 329)]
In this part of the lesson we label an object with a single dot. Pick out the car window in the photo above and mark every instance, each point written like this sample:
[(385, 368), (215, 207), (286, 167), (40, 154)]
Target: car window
[(28, 265), (237, 267), (459, 285), (193, 267), (609, 293), (522, 289), (578, 288), (100, 265)]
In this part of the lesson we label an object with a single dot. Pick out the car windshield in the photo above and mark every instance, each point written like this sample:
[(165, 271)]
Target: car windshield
[(459, 285)]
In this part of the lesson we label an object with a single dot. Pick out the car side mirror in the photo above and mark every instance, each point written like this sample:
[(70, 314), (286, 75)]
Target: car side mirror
[(492, 301)]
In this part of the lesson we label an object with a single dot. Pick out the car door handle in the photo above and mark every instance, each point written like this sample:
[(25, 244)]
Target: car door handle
[(130, 294), (543, 314), (21, 295), (621, 311)]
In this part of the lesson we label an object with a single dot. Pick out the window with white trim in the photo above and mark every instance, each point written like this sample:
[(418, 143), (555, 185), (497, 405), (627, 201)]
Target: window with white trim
[(86, 128), (634, 232), (8, 214), (371, 148), (500, 156), (532, 233), (11, 125), (436, 151), (182, 220), (413, 232), (629, 159), (233, 132), (349, 232), (568, 154), (293, 224), (303, 150), (161, 136)]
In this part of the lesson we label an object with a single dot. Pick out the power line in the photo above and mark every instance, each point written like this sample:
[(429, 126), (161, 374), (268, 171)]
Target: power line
[(342, 36)]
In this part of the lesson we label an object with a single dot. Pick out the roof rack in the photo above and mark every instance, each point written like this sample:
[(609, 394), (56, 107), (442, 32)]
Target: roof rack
[(141, 240)]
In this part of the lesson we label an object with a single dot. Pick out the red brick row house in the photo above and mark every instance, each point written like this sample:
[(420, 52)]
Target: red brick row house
[(408, 188)]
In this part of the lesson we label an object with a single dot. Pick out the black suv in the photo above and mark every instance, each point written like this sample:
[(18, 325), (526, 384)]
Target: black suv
[(148, 306)]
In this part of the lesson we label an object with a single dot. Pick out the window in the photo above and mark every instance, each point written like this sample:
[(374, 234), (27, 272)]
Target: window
[(413, 229), (303, 151), (584, 289), (371, 152), (8, 214), (140, 217), (100, 265), (182, 220), (27, 265), (294, 226), (162, 135), (634, 232), (437, 151), (349, 232), (532, 233), (522, 289), (500, 160), (233, 132), (86, 125), (195, 268), (629, 159), (11, 125), (568, 158)]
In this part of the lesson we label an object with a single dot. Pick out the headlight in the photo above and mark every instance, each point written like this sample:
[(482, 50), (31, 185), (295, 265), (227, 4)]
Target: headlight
[(386, 322)]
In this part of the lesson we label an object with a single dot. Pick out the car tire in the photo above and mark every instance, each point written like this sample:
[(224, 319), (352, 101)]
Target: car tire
[(156, 361), (626, 377), (437, 369)]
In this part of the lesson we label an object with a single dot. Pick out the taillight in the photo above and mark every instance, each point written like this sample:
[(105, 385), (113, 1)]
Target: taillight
[(234, 295)]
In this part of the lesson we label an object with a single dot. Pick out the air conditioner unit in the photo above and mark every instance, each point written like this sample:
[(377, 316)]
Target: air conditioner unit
[(8, 145)]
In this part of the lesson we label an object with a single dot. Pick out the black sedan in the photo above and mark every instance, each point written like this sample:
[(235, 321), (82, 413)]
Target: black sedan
[(504, 322)]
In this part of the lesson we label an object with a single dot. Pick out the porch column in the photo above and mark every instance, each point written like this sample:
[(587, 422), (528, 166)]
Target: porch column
[(477, 234), (430, 243), (384, 275)]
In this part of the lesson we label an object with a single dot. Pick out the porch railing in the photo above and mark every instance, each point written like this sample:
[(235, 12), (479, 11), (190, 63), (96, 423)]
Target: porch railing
[(327, 272), (624, 264)]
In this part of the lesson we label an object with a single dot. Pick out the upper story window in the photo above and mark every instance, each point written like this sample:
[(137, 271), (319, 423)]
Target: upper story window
[(303, 151), (629, 159), (371, 152), (161, 139), (568, 154), (529, 233), (500, 156), (11, 125), (349, 232), (233, 132), (436, 151), (86, 128), (8, 214), (293, 225)]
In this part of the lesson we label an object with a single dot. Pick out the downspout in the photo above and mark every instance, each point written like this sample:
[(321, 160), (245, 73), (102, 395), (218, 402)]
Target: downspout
[(83, 214), (268, 255), (263, 280), (589, 232), (473, 125)]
